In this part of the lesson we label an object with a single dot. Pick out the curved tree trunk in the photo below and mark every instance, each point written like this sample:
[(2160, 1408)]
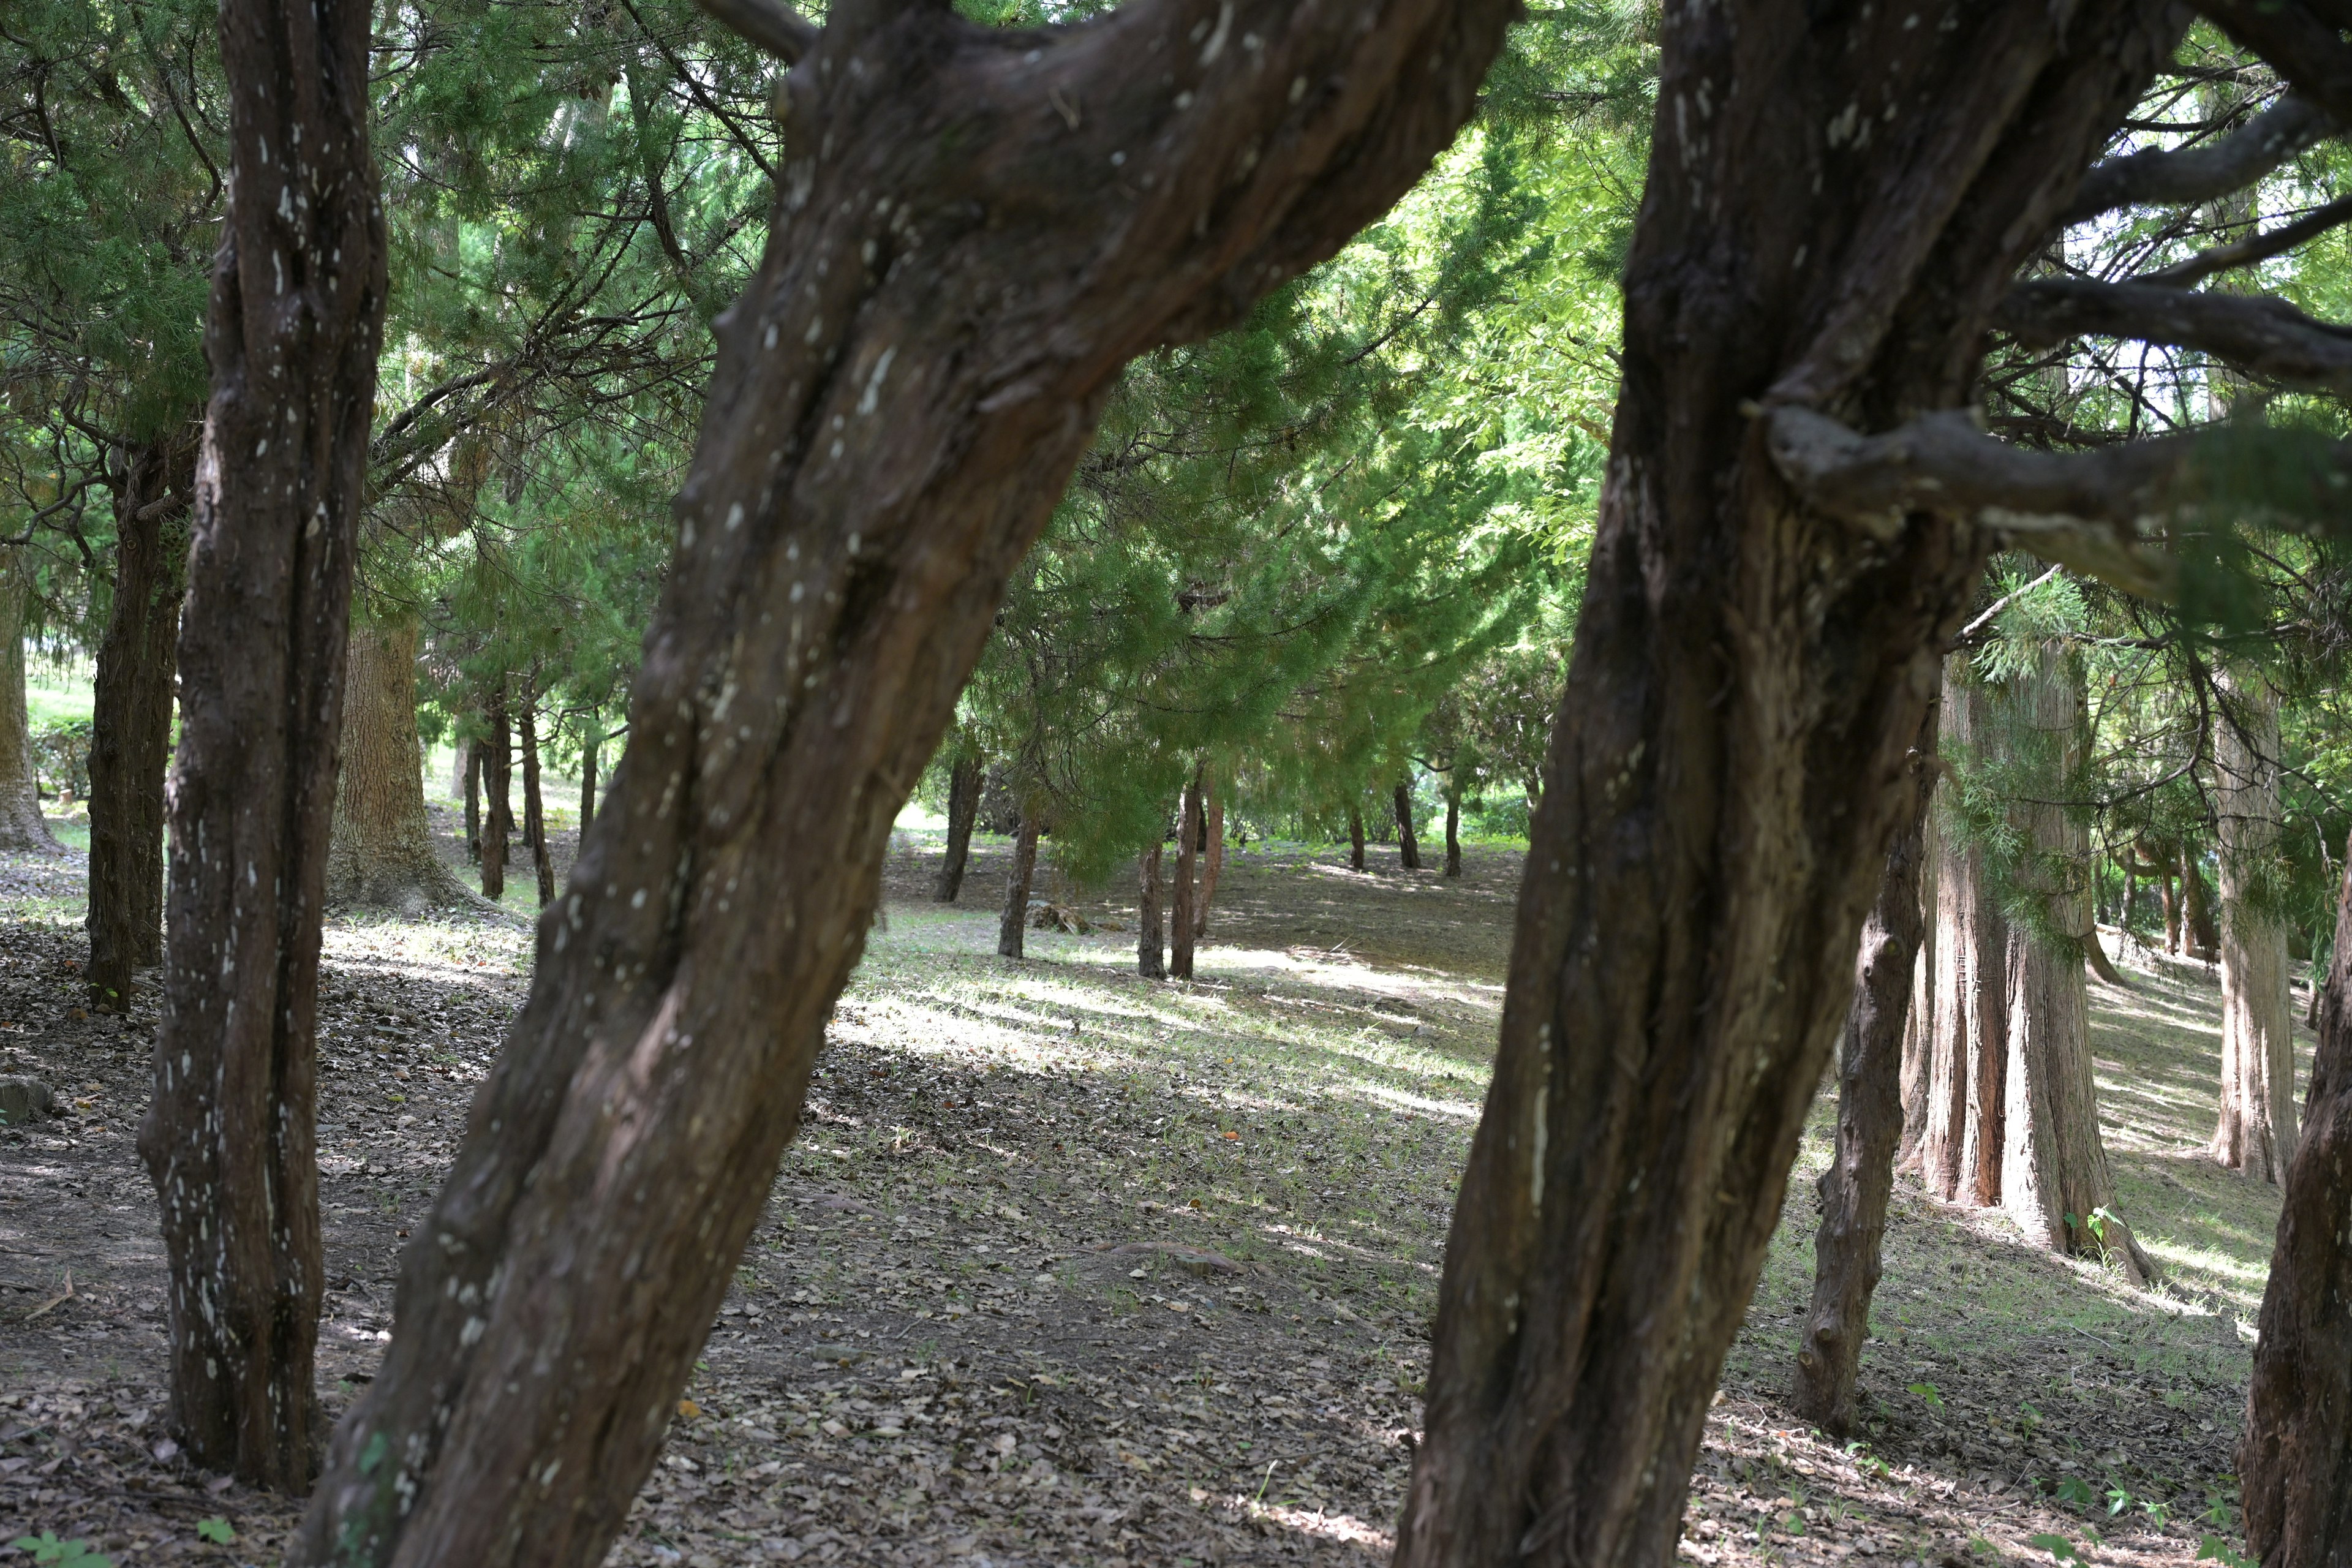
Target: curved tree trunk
[(131, 718), (2256, 1135), (1727, 766), (294, 332), (1184, 908), (23, 829), (1959, 1155), (1408, 847), (382, 855), (963, 809), (1149, 943), (2294, 1457), (1855, 1189)]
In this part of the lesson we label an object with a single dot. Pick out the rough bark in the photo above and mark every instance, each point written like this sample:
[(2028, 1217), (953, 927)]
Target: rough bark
[(1191, 826), (590, 744), (23, 829), (2094, 954), (1408, 847), (475, 754), (2295, 1455), (1355, 839), (1855, 1189), (534, 803), (1012, 931), (1213, 861), (130, 718), (293, 335), (1726, 772), (956, 272), (1452, 834), (1149, 943), (497, 790), (2257, 1127), (1919, 1017), (2054, 1177), (2200, 933), (963, 808), (381, 853), (1968, 1046)]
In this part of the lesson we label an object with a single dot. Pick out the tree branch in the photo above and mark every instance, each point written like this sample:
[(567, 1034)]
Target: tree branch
[(2254, 248), (2308, 50), (2261, 337), (2202, 173), (768, 25)]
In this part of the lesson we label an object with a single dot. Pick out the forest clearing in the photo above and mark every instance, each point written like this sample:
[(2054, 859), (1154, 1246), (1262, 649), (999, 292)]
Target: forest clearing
[(1070, 1268)]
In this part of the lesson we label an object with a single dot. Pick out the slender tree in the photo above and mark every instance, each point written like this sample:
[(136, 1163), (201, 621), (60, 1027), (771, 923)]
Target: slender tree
[(1012, 931), (1150, 940), (2257, 1127), (1408, 847), (534, 803), (1355, 839), (497, 788), (23, 829), (293, 336), (1184, 914), (1213, 854), (963, 810)]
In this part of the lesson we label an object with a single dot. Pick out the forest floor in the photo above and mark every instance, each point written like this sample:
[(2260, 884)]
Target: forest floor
[(1070, 1268)]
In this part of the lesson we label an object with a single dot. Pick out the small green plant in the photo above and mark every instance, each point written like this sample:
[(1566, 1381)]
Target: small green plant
[(1930, 1392), (46, 1549), (2217, 1549), (217, 1530), (2158, 1513), (2075, 1492), (2119, 1499), (2059, 1549), (2029, 1420), (1868, 1463)]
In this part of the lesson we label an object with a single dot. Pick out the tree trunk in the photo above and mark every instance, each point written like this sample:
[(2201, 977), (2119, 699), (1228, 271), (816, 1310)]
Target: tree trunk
[(380, 852), (1860, 1176), (1408, 847), (23, 829), (534, 805), (1968, 1047), (1919, 1017), (1012, 932), (2294, 1457), (2171, 906), (2055, 1181), (1355, 839), (1149, 943), (2199, 934), (476, 754), (1452, 833), (497, 784), (957, 283), (1191, 823), (131, 720), (294, 331), (2094, 954), (1212, 863), (2256, 1135), (963, 809), (591, 742), (1726, 769)]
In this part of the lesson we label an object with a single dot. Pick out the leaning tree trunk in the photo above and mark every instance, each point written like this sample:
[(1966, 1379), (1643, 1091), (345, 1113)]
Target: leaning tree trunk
[(2294, 1457), (1184, 908), (131, 720), (1355, 839), (498, 788), (945, 300), (381, 854), (1860, 1176), (23, 829), (1012, 931), (534, 803), (2054, 1180), (963, 810), (1919, 1017), (1408, 847), (295, 328), (1212, 858), (1726, 769), (1968, 1050), (1149, 943), (2256, 1135)]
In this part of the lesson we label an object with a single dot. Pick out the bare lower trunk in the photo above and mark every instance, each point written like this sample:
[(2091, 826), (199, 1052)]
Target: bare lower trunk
[(1149, 943), (2094, 954), (1919, 1017), (1452, 834), (1727, 766), (476, 754), (963, 809), (1968, 1047), (2295, 1457), (2171, 910), (1408, 847), (497, 786), (382, 852), (1183, 911), (1212, 863), (2256, 1133), (1855, 1189), (2200, 933), (293, 335), (590, 744), (1012, 931), (131, 718), (534, 803), (952, 277), (1355, 839), (23, 829)]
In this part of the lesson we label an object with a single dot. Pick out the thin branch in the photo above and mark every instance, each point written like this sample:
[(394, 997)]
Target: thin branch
[(1976, 629), (2182, 177), (2253, 248), (2307, 49), (768, 25), (2258, 336)]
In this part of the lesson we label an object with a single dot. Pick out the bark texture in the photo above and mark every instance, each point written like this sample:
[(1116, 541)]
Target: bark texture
[(1855, 1189), (131, 716), (534, 803), (2294, 1457), (381, 855), (1013, 930), (1968, 1043), (2257, 1127), (963, 809), (1727, 771), (474, 754), (590, 745), (1149, 943), (1408, 847), (498, 795), (1452, 834), (955, 273), (1184, 908), (1355, 839), (23, 829), (1213, 859), (1919, 1017), (293, 333)]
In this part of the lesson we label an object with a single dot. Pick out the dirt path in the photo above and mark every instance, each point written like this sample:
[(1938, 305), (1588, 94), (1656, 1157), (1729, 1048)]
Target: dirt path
[(1066, 1267)]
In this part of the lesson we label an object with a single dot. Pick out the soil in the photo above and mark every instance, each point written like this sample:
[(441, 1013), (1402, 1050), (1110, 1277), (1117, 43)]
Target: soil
[(1066, 1267)]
